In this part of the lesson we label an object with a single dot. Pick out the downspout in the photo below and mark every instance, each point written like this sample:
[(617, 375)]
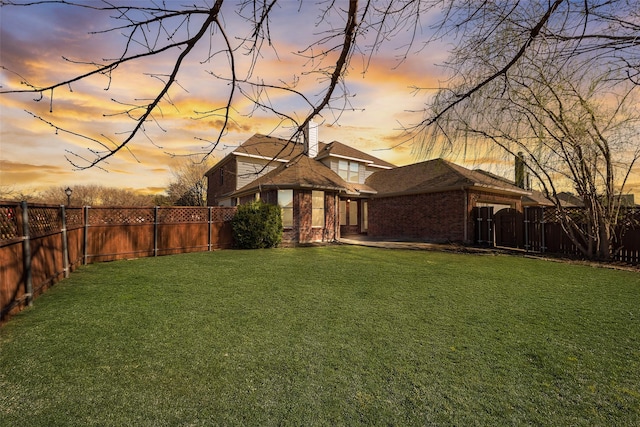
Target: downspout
[(336, 218), (466, 215)]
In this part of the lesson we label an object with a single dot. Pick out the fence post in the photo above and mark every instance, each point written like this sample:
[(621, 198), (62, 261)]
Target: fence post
[(526, 228), (209, 243), (542, 240), (490, 228), (85, 255), (155, 230), (65, 242), (26, 252)]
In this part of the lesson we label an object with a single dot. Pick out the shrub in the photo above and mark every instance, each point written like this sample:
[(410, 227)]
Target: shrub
[(257, 225)]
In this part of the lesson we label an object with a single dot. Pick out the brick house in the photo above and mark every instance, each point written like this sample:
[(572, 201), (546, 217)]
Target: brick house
[(435, 200), (320, 187), (332, 190)]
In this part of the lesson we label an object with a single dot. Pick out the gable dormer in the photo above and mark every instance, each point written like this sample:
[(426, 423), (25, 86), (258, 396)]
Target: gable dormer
[(350, 164)]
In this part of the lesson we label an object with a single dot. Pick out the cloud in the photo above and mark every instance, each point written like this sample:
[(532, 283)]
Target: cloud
[(19, 173)]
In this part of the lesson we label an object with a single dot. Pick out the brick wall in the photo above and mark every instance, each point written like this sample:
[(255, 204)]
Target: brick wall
[(302, 218), (220, 183), (481, 197), (432, 216), (302, 230)]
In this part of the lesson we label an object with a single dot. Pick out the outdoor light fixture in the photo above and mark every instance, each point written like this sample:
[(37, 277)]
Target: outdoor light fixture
[(68, 192)]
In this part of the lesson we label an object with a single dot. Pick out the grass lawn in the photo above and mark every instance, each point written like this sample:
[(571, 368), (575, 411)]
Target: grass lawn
[(338, 335)]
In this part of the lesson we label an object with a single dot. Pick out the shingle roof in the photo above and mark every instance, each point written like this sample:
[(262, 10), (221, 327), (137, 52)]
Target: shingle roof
[(300, 172), (339, 149), (269, 147), (434, 175), (536, 198), (264, 147)]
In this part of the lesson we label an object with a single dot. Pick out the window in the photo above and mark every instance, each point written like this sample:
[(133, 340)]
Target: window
[(365, 214), (221, 176), (285, 201), (352, 217), (343, 212), (349, 171), (317, 209), (353, 213)]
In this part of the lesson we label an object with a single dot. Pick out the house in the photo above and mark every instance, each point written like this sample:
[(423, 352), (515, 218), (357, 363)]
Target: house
[(436, 200), (331, 190), (320, 187)]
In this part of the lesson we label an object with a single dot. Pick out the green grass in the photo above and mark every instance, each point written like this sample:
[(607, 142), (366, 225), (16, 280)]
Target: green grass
[(336, 335)]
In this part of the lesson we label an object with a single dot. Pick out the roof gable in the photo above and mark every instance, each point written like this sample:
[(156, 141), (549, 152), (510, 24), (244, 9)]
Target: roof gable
[(340, 150), (300, 172), (263, 147), (269, 147)]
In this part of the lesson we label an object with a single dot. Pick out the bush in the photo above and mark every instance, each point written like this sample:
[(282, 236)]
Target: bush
[(257, 225)]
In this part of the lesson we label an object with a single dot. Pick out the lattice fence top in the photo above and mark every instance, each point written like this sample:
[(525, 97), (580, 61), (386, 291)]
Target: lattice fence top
[(166, 215), (75, 217), (9, 223), (631, 218), (128, 216), (47, 219), (181, 215), (44, 220), (221, 214), (628, 216), (577, 215)]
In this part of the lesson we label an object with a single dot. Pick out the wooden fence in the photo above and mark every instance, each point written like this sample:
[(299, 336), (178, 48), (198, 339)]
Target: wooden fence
[(544, 233), (539, 230), (41, 244)]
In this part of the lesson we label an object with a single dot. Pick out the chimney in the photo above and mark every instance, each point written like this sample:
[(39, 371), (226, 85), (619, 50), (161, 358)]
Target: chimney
[(311, 139), (520, 178)]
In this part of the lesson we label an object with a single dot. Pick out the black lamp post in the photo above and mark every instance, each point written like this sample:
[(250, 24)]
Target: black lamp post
[(68, 192)]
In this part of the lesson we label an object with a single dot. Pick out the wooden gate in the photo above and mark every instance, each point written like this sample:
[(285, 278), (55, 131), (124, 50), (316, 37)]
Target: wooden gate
[(508, 228), (483, 217)]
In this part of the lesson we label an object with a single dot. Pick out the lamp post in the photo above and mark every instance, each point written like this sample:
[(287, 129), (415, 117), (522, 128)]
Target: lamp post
[(68, 192)]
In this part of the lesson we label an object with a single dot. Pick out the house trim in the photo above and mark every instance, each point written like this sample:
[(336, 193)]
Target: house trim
[(369, 163), (255, 156), (474, 186)]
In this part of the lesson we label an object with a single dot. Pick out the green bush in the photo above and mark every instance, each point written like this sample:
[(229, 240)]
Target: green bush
[(257, 225)]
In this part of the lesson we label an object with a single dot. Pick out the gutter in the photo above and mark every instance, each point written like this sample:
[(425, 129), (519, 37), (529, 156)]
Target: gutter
[(466, 215), (487, 188)]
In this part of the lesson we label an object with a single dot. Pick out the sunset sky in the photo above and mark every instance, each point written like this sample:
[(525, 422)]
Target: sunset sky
[(34, 40)]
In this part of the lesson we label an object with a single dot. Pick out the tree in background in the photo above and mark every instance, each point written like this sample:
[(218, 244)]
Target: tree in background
[(93, 195), (189, 185), (9, 192), (546, 80)]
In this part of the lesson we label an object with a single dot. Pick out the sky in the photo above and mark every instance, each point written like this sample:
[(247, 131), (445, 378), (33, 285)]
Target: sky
[(33, 154), (35, 40)]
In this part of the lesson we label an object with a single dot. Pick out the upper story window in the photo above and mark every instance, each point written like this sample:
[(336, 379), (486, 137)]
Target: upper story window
[(285, 201), (349, 170)]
